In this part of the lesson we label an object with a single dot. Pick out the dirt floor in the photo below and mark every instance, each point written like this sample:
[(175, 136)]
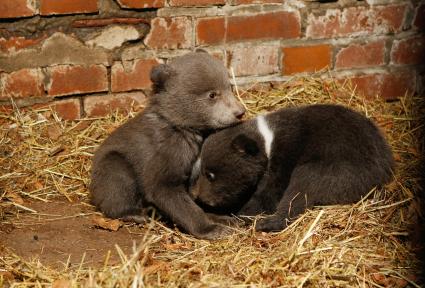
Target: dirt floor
[(62, 234), (49, 235)]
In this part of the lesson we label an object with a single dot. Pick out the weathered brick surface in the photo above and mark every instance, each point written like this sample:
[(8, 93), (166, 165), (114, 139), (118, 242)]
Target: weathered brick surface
[(136, 77), (260, 60), (105, 104), (306, 59), (70, 80), (387, 86), (281, 25), (241, 2), (114, 36), (361, 55), (16, 8), (68, 109), (22, 83), (170, 33), (14, 44), (409, 51), (56, 50), (220, 55), (210, 30), (356, 21), (84, 23), (195, 2), (277, 25), (139, 4), (262, 40), (48, 7)]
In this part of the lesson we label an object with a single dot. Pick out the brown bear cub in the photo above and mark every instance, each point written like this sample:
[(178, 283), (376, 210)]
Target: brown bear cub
[(290, 160), (148, 160)]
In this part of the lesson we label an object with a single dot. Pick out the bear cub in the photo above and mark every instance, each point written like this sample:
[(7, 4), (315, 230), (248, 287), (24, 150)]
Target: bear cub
[(295, 158), (148, 160)]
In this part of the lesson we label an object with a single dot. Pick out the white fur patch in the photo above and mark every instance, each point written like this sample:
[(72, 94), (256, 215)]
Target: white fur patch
[(197, 165), (196, 170), (267, 134)]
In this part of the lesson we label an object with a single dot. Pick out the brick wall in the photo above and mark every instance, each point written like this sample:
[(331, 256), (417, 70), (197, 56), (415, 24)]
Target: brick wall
[(89, 57)]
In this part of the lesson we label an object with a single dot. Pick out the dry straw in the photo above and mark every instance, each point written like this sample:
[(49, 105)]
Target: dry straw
[(361, 245)]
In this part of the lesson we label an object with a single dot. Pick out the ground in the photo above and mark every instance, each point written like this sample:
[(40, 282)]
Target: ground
[(63, 235), (50, 234)]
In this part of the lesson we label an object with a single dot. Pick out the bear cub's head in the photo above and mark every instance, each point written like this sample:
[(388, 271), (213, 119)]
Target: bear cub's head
[(194, 91), (231, 167)]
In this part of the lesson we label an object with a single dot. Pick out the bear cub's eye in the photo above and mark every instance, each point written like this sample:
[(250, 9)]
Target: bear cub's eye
[(210, 176), (212, 94)]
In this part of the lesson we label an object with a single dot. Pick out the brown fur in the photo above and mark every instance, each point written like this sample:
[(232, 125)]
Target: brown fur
[(321, 155), (149, 159)]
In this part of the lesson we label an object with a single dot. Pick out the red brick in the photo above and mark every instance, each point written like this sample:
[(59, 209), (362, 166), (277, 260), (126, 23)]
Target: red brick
[(68, 80), (260, 60), (306, 59), (22, 83), (419, 21), (241, 2), (106, 104), (356, 21), (138, 77), (68, 109), (13, 44), (387, 86), (210, 30), (263, 26), (170, 33), (195, 2), (408, 51), (361, 55), (16, 8), (139, 4), (48, 7)]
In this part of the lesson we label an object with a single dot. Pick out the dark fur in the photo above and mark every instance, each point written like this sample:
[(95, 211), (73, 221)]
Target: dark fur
[(321, 155), (149, 159)]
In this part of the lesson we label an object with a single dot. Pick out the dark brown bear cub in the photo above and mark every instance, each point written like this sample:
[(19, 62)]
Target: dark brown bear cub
[(290, 160), (149, 159)]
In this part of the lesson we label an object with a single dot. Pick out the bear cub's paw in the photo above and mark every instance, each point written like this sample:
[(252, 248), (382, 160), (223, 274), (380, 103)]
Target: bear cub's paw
[(215, 232), (226, 220)]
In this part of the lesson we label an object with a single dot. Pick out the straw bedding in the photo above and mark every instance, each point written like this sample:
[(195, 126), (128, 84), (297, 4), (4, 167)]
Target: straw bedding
[(366, 244)]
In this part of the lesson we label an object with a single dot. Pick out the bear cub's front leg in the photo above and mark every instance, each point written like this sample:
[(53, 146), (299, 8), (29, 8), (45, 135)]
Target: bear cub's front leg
[(149, 159)]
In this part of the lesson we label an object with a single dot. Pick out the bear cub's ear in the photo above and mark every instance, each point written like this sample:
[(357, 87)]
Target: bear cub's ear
[(160, 74), (245, 145)]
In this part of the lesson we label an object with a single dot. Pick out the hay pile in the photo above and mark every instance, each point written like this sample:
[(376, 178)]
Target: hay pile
[(365, 244)]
